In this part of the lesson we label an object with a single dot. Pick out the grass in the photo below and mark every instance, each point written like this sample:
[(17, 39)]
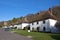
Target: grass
[(39, 35)]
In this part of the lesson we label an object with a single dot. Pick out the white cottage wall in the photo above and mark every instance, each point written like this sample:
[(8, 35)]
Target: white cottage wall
[(52, 25), (49, 24), (15, 25), (35, 25), (41, 25), (10, 26), (24, 25), (19, 26), (52, 22), (31, 26)]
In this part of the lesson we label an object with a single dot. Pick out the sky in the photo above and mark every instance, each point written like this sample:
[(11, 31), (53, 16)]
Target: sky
[(16, 8)]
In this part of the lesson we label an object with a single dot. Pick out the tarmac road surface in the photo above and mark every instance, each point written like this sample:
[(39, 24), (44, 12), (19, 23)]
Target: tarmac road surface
[(5, 35)]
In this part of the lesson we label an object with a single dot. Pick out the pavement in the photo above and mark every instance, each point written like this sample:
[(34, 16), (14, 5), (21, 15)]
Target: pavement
[(5, 35)]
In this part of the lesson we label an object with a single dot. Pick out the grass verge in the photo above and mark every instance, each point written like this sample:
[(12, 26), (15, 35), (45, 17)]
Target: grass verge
[(39, 35)]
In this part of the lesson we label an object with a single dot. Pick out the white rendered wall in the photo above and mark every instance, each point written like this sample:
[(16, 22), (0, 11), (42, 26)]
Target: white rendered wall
[(10, 26), (15, 25), (31, 26), (35, 25), (40, 25), (19, 26), (48, 23), (24, 25), (52, 25), (52, 22)]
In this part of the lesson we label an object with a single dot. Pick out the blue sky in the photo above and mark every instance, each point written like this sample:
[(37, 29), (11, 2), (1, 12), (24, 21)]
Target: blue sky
[(17, 8)]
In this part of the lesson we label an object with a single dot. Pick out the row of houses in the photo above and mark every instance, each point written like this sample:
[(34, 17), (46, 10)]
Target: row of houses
[(44, 24), (47, 25)]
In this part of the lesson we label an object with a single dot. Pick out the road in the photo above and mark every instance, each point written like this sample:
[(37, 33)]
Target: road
[(5, 35)]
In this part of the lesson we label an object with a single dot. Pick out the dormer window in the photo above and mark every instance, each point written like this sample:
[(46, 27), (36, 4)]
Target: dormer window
[(44, 22)]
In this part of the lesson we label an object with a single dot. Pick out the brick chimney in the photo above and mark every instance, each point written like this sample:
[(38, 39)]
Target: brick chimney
[(50, 11), (5, 23), (26, 19)]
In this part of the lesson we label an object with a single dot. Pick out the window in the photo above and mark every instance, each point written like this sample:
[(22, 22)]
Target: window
[(32, 23), (37, 22), (44, 22)]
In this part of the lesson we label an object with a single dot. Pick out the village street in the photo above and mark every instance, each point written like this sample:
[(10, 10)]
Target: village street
[(4, 35)]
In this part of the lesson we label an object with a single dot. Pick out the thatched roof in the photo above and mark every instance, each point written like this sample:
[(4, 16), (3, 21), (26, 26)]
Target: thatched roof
[(41, 16)]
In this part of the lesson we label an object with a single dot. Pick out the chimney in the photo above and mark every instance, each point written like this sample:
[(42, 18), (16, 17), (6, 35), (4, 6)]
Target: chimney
[(5, 23), (26, 19), (50, 11)]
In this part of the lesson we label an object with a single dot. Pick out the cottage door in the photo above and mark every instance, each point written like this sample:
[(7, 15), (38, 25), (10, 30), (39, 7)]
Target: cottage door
[(38, 29), (44, 29)]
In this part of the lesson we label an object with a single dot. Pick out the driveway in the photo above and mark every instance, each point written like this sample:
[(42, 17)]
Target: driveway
[(5, 35)]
